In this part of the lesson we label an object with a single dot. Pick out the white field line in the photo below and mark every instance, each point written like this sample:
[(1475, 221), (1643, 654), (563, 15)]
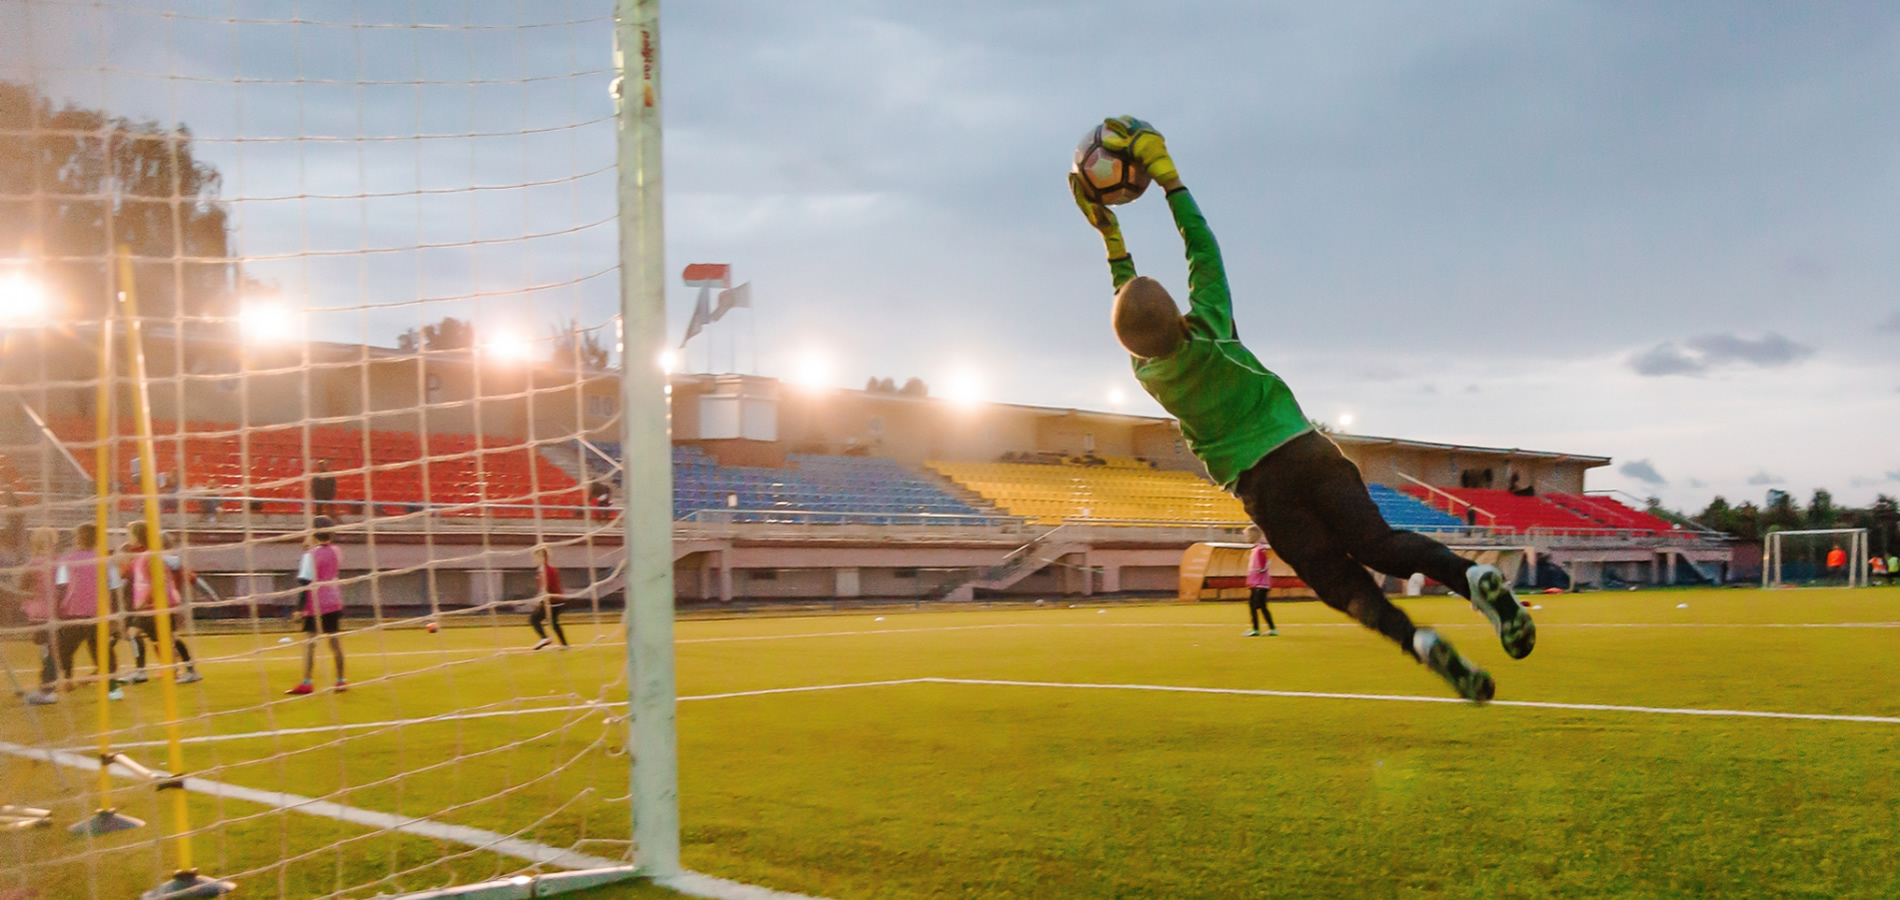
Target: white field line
[(1413, 698), (293, 651), (998, 682), (1541, 626), (461, 834), (487, 714)]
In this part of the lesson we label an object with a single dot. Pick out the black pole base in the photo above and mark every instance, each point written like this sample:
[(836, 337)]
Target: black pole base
[(187, 885)]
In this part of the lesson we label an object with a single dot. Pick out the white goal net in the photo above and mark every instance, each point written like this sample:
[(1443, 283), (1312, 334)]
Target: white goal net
[(312, 508)]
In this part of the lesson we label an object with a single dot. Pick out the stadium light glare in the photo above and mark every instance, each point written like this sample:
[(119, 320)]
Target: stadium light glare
[(964, 390), (508, 347), (1345, 421), (814, 372), (267, 321), (22, 300), (1116, 398), (669, 361)]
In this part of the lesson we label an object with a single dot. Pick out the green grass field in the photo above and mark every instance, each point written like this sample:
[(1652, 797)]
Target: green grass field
[(1092, 782)]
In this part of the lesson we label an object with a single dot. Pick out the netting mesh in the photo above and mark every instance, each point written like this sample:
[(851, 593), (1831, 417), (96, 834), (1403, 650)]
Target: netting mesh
[(372, 252), (1816, 558)]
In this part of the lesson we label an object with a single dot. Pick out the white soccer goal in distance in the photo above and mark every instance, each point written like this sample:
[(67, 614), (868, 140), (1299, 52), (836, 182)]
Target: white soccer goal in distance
[(1800, 557)]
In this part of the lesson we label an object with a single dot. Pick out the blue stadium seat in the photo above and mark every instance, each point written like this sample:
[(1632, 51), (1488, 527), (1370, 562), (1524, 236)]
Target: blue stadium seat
[(879, 489), (1402, 511)]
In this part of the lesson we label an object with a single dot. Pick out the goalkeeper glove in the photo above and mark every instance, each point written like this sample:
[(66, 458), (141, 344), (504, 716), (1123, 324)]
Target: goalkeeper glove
[(1140, 140), (1099, 216)]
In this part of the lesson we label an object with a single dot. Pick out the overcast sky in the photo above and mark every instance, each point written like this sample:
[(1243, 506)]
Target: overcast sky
[(1660, 232)]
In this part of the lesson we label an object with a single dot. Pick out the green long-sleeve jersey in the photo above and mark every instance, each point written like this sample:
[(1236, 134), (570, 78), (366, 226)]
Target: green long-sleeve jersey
[(1232, 410)]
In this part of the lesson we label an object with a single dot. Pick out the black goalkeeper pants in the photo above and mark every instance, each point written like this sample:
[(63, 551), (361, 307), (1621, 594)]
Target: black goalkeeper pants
[(1318, 516)]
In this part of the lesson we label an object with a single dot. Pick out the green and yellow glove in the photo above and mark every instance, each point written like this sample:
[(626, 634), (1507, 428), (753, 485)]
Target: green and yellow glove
[(1100, 217), (1140, 140)]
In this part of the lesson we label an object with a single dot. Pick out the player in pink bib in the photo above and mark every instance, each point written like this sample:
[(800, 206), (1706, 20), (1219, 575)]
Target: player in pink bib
[(142, 625), (321, 602), (1259, 579)]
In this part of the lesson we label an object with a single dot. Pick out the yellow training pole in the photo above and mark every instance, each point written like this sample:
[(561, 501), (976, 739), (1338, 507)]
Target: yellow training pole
[(102, 520), (105, 819), (155, 555)]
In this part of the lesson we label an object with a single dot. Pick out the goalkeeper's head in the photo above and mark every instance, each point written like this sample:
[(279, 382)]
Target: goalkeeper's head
[(1147, 321)]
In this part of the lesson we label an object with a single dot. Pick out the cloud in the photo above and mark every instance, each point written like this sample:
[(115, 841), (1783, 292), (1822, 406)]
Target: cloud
[(1762, 477), (1768, 351), (1696, 483), (1893, 476), (1712, 351), (1643, 471), (1665, 359), (1891, 323)]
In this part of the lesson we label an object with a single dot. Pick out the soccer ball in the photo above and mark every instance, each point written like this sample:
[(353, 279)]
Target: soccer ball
[(431, 627), (1112, 177)]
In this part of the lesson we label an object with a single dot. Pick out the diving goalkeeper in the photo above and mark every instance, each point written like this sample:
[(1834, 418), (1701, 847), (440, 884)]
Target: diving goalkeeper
[(1243, 423)]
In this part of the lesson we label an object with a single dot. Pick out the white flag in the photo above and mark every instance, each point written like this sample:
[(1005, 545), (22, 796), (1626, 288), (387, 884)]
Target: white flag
[(702, 316), (733, 298)]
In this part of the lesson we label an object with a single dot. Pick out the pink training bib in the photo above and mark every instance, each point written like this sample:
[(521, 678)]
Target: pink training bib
[(1259, 575), (324, 565)]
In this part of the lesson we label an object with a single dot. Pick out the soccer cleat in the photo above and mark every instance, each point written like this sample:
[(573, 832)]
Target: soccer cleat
[(1491, 596), (300, 689), (115, 692), (543, 643), (1472, 683), (138, 677), (341, 686), (189, 676), (42, 698), (1254, 633), (1273, 632)]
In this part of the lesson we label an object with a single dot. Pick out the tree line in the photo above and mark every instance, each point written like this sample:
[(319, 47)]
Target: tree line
[(1780, 512)]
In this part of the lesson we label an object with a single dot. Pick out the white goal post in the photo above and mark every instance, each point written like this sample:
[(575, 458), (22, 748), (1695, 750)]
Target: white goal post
[(1806, 563)]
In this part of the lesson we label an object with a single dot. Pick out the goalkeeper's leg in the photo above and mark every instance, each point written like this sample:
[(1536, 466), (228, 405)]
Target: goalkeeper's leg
[(1298, 533), (1337, 495)]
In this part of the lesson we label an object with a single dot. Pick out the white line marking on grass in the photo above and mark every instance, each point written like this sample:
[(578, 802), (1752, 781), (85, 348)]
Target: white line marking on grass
[(461, 834), (490, 714), (1294, 625), (1413, 698), (693, 884)]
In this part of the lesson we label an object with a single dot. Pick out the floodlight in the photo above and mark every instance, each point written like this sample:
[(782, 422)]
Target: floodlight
[(22, 300), (1116, 398), (508, 347), (964, 390), (268, 321), (814, 373), (1345, 421), (669, 361)]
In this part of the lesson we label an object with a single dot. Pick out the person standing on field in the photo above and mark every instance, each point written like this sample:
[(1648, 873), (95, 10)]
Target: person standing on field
[(76, 580), (321, 603), (142, 625), (41, 605), (1836, 564), (548, 599), (1259, 580)]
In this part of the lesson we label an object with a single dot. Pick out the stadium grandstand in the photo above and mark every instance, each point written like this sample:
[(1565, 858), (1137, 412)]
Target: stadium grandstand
[(780, 494)]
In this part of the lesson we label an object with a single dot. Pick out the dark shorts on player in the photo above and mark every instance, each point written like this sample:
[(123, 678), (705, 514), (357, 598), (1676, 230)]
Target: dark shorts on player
[(332, 623), (1317, 514), (148, 623)]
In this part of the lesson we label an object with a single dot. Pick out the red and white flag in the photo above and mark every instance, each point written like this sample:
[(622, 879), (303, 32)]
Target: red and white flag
[(708, 275)]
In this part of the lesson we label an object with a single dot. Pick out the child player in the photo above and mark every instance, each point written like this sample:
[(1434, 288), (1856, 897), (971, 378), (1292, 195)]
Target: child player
[(1243, 423), (548, 600), (321, 603), (142, 626), (1259, 580)]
